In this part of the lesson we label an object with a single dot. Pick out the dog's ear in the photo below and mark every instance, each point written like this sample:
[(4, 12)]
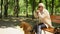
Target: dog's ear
[(21, 24)]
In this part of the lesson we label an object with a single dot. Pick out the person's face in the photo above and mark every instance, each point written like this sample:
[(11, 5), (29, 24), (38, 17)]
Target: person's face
[(40, 8)]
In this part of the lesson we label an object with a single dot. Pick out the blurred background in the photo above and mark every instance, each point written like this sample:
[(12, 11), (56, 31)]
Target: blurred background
[(11, 11)]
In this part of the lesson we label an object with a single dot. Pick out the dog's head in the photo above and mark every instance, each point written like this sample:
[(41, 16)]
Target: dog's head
[(22, 24), (57, 30)]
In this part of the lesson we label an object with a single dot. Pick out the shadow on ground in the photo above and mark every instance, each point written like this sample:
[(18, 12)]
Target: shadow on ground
[(14, 21)]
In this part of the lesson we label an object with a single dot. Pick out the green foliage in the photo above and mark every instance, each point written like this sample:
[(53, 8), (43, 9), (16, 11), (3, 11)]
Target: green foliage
[(31, 4)]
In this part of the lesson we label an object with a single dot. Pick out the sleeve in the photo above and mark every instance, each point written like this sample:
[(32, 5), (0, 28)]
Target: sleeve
[(43, 15), (36, 14)]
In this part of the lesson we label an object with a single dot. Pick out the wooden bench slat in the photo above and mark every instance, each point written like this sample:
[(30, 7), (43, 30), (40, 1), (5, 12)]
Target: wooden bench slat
[(55, 19)]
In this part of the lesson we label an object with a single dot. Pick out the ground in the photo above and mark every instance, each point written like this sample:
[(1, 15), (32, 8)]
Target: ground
[(10, 25), (11, 30)]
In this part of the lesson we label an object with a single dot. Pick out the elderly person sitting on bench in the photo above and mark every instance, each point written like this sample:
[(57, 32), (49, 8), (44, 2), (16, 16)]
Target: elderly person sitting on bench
[(44, 18)]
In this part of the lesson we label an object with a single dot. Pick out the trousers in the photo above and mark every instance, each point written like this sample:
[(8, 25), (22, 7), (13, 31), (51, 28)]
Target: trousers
[(38, 28)]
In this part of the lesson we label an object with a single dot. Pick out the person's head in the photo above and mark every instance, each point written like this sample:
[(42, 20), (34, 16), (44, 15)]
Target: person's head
[(41, 6)]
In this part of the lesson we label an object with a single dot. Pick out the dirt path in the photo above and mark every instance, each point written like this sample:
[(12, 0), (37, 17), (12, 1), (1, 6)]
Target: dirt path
[(11, 30), (16, 30), (11, 25)]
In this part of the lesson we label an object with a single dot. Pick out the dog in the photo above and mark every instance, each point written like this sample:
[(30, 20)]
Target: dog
[(27, 28), (57, 30)]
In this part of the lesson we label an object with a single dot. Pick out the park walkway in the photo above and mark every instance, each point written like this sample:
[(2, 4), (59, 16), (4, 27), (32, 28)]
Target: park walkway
[(11, 25), (11, 30)]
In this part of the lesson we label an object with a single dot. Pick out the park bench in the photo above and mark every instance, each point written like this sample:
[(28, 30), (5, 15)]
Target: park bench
[(55, 19)]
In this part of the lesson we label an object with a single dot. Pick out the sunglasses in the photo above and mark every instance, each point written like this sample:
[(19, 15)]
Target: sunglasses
[(39, 6)]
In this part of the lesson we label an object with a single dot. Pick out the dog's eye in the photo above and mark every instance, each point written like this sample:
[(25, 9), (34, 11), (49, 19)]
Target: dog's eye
[(20, 26)]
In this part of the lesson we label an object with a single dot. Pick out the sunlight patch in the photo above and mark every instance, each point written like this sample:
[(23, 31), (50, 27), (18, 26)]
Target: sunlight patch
[(11, 30)]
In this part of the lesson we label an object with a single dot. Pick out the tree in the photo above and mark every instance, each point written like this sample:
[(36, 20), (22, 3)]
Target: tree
[(16, 8), (33, 5), (46, 4), (52, 7), (26, 1), (57, 6), (5, 8), (33, 8), (1, 9), (17, 1), (40, 1)]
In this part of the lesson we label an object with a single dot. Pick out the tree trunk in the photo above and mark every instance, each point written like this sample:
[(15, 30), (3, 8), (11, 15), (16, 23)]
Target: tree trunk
[(26, 8), (6, 8), (17, 1), (52, 7), (16, 8), (33, 8), (46, 4), (1, 9), (40, 1)]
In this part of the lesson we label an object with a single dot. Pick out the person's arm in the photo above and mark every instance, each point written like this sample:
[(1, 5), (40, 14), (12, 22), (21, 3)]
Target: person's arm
[(44, 15), (36, 14)]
